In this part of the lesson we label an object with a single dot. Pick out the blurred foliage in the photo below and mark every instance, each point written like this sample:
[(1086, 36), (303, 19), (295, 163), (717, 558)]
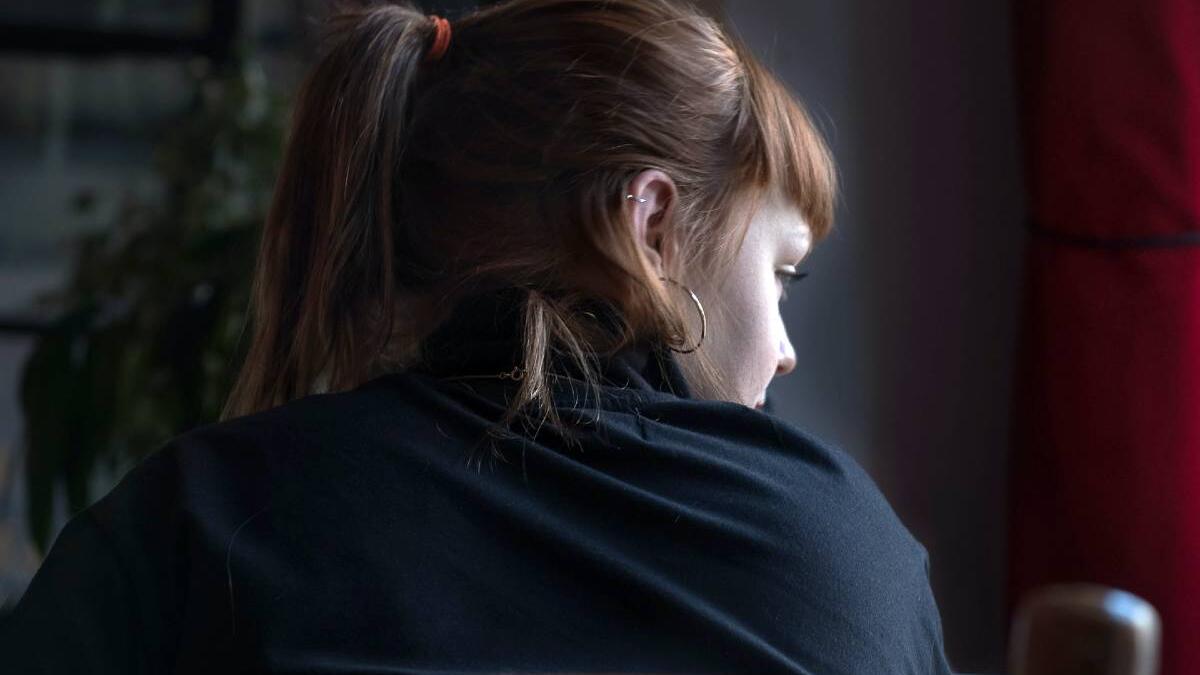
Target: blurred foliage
[(147, 335)]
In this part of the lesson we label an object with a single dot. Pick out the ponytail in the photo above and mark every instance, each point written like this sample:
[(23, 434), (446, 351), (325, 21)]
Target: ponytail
[(322, 300)]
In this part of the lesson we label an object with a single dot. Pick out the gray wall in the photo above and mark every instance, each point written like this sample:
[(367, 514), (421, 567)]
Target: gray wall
[(905, 329)]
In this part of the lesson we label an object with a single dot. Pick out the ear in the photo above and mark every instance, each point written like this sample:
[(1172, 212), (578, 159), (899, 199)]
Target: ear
[(653, 218)]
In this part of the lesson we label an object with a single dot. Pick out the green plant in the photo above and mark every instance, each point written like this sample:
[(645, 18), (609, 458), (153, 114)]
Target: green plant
[(147, 339)]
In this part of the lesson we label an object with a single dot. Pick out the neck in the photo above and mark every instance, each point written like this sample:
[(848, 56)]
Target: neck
[(483, 336)]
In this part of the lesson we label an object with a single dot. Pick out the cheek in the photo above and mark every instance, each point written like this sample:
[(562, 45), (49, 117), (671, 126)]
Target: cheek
[(748, 333), (750, 308)]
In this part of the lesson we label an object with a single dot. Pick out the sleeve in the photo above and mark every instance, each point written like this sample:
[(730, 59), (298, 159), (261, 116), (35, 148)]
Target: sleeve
[(104, 598), (75, 615), (939, 663)]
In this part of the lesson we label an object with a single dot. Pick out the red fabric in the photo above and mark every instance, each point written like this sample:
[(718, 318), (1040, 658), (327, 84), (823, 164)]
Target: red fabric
[(1110, 100), (1104, 483)]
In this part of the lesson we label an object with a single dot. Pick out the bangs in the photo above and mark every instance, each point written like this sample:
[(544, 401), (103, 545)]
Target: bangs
[(781, 149)]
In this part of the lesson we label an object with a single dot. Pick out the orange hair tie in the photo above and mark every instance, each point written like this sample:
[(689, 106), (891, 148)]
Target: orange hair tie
[(441, 41)]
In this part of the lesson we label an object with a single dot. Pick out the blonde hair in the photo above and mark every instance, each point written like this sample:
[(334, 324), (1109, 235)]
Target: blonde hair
[(405, 185)]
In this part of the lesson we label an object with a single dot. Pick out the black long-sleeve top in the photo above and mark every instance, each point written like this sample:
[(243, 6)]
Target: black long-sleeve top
[(363, 532)]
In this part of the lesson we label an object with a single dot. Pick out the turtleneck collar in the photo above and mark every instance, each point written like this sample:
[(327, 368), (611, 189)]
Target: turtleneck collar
[(483, 336)]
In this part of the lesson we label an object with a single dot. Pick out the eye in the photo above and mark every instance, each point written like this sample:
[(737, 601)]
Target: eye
[(786, 277)]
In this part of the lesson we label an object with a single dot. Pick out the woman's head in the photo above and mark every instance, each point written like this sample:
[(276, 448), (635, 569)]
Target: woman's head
[(407, 184), (745, 339)]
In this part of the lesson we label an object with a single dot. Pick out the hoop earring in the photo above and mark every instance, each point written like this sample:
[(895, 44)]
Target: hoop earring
[(703, 318)]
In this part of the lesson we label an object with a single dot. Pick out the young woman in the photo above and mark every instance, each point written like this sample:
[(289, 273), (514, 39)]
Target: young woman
[(553, 236)]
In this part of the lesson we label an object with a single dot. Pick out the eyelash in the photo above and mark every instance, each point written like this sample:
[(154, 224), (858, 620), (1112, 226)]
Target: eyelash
[(788, 278)]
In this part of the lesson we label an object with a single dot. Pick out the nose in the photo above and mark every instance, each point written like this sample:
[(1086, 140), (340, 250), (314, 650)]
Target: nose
[(787, 357)]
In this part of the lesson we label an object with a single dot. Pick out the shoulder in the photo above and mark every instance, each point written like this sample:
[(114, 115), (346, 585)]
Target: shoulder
[(820, 502), (119, 577), (232, 468), (813, 528), (781, 449), (277, 441)]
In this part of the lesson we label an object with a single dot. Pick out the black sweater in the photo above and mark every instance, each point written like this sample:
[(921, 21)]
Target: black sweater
[(356, 532)]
